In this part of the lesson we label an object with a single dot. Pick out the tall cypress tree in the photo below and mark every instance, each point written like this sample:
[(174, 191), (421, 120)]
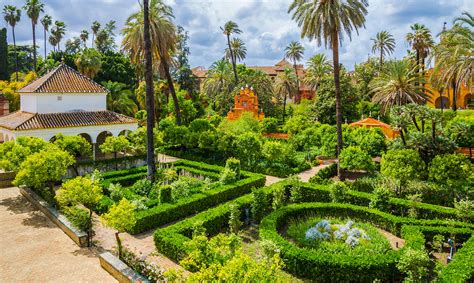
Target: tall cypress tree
[(4, 75)]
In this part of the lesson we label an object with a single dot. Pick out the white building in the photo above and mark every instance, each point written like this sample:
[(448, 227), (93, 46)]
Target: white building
[(64, 101)]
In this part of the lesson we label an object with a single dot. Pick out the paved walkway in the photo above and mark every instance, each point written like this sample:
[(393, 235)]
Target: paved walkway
[(34, 249)]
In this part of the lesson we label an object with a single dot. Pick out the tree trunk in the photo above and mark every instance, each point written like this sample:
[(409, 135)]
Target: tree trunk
[(44, 44), (455, 98), (34, 45), (335, 59), (232, 60), (119, 243), (298, 97), (402, 136), (381, 59), (150, 106), (172, 91), (16, 55), (433, 130), (284, 108), (89, 231)]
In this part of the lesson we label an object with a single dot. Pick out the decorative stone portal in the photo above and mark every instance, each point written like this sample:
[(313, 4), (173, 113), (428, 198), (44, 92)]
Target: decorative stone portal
[(245, 101)]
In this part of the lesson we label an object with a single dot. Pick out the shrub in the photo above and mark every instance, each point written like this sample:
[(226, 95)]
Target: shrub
[(270, 125), (248, 146), (438, 242), (402, 164), (338, 192), (371, 139), (279, 197), (234, 218), (142, 187), (151, 271), (324, 174), (414, 263), (454, 170), (165, 194), (354, 158), (380, 199), (228, 176), (79, 217), (461, 268), (296, 191), (258, 205), (234, 165)]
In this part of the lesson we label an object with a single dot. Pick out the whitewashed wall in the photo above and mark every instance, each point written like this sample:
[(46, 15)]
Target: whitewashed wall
[(55, 103)]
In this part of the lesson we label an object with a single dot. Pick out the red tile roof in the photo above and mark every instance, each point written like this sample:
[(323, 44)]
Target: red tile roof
[(63, 79), (22, 121)]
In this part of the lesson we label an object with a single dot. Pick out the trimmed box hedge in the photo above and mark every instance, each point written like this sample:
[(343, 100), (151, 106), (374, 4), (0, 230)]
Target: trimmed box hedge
[(461, 268), (168, 212), (328, 267)]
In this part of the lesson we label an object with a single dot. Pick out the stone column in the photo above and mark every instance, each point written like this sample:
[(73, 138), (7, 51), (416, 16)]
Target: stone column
[(93, 151)]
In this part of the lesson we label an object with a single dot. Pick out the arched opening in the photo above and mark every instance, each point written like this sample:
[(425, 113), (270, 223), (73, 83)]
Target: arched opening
[(469, 101), (125, 133), (100, 140), (86, 136), (442, 102)]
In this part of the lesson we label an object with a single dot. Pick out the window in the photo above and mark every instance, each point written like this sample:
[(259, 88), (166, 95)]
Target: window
[(60, 98)]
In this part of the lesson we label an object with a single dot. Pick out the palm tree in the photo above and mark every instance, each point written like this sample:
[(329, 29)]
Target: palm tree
[(325, 21), (163, 36), (119, 98), (238, 49), (12, 15), (46, 21), (231, 28), (454, 60), (150, 107), (385, 43), (89, 62), (84, 37), (53, 41), (398, 84), (421, 42), (58, 32), (318, 67), (95, 29), (218, 80), (294, 51), (286, 85), (33, 8)]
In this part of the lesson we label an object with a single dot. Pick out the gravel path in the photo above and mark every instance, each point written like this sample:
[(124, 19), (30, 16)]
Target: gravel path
[(34, 249)]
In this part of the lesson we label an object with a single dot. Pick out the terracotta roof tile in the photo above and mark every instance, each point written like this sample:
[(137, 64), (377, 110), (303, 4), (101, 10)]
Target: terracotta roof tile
[(21, 121), (63, 79)]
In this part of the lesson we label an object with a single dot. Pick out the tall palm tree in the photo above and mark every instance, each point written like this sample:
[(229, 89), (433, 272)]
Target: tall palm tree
[(53, 41), (95, 29), (318, 67), (119, 98), (286, 85), (326, 21), (46, 21), (238, 49), (454, 57), (421, 42), (58, 32), (150, 107), (89, 62), (294, 51), (163, 35), (230, 28), (218, 80), (33, 9), (398, 84), (84, 37), (383, 42), (12, 15)]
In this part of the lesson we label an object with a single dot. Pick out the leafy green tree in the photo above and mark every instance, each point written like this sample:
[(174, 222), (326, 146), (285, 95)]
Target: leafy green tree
[(121, 217), (453, 170), (286, 87), (13, 153), (403, 165), (355, 158), (73, 45), (105, 38), (80, 191), (218, 85), (277, 152), (248, 147), (182, 74), (262, 85), (76, 146), (370, 139), (44, 168), (115, 144), (380, 198), (117, 67)]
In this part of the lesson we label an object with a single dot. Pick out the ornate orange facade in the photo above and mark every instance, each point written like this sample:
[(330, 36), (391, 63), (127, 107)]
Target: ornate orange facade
[(464, 99), (245, 101)]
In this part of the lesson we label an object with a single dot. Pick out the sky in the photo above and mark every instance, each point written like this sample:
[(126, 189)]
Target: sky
[(266, 25)]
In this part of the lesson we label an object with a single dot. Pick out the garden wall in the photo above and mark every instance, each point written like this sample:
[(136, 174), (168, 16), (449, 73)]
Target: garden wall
[(6, 179)]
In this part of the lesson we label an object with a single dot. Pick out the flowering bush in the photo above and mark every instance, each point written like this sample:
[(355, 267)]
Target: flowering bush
[(323, 230)]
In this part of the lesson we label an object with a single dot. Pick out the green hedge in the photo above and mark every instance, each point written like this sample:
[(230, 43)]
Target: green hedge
[(169, 212), (326, 267), (461, 268)]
